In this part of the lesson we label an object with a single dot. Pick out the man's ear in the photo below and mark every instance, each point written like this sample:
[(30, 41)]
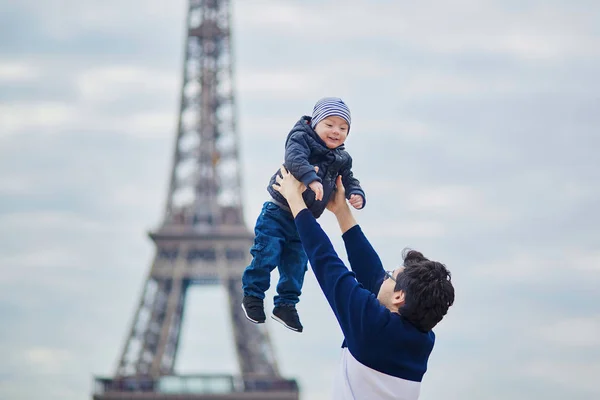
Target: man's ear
[(399, 298)]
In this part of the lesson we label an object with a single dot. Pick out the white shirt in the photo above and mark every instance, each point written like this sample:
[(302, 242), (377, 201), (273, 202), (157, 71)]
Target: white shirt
[(355, 381)]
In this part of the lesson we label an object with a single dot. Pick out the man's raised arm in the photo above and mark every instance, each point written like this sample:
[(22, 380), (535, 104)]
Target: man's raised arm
[(364, 261)]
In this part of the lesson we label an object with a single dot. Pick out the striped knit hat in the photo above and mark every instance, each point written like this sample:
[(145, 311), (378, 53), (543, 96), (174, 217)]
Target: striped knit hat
[(330, 106)]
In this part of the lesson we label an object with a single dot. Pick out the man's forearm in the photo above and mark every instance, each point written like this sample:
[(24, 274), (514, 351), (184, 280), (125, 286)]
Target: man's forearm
[(345, 219), (363, 258), (296, 204)]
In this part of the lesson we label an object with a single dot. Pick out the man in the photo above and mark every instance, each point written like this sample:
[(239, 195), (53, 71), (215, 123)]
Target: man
[(386, 317)]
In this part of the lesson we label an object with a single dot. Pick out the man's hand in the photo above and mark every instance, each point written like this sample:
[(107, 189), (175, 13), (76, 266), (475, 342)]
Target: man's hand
[(356, 201), (287, 185), (290, 188), (337, 203), (339, 207), (317, 187)]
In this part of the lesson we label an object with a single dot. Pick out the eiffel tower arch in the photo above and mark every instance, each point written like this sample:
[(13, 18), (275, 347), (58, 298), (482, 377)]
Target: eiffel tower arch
[(202, 239)]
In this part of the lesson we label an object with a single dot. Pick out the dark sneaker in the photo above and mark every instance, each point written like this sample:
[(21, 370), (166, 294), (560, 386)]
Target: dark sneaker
[(254, 309), (288, 316)]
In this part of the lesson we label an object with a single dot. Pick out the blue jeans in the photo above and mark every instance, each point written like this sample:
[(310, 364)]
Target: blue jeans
[(276, 244)]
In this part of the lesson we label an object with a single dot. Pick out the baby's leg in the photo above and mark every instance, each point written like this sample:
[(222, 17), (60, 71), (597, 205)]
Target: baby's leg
[(266, 252), (292, 269)]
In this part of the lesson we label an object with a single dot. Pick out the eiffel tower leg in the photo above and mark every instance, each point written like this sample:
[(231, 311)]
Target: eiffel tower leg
[(151, 346), (255, 354), (140, 332), (164, 355)]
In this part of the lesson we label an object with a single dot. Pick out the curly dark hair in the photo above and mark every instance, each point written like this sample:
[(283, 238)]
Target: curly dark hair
[(428, 290)]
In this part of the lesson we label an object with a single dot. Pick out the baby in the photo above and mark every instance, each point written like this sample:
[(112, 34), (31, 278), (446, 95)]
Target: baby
[(315, 155)]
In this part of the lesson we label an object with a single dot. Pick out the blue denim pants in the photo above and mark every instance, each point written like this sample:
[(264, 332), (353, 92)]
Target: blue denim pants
[(276, 244)]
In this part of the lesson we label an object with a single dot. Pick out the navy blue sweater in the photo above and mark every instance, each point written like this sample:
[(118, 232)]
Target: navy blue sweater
[(378, 338)]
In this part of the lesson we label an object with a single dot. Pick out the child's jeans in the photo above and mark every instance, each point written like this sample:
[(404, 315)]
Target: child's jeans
[(276, 244)]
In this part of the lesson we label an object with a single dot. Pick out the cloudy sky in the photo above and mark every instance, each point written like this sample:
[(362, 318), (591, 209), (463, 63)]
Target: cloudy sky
[(475, 134)]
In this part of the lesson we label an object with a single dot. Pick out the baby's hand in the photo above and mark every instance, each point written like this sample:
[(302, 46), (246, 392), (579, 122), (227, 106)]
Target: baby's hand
[(317, 187), (356, 201)]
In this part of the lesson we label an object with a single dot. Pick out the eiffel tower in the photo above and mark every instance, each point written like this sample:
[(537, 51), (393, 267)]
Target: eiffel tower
[(202, 239)]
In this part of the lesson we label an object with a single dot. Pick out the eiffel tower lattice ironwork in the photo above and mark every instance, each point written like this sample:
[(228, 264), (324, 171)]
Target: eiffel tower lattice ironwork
[(202, 239)]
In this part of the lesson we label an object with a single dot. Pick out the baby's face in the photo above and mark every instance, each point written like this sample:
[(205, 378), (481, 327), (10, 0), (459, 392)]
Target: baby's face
[(333, 131)]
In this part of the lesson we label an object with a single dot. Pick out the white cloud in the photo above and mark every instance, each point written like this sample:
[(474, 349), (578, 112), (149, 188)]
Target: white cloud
[(42, 261), (578, 377), (267, 127), (14, 71), (17, 117), (547, 32), (267, 14), (581, 332), (15, 185), (54, 118), (60, 241), (444, 198), (50, 220), (134, 196), (47, 360), (274, 85), (310, 80), (147, 125), (63, 19), (412, 229), (436, 82), (524, 266), (585, 261), (113, 83), (520, 266)]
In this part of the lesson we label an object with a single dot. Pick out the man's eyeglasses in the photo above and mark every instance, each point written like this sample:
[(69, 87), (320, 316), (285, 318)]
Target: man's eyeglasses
[(389, 274)]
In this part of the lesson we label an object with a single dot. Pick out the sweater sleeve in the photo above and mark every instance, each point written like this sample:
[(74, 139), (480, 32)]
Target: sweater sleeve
[(357, 310), (364, 261)]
